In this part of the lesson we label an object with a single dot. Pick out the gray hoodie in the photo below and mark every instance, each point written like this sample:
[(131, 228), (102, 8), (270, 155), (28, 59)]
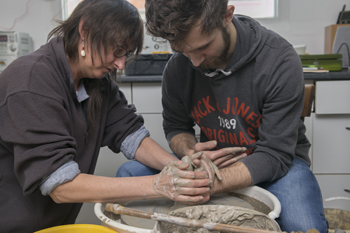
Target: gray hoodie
[(256, 102)]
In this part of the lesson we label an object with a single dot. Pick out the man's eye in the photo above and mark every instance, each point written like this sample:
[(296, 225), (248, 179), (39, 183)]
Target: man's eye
[(204, 47)]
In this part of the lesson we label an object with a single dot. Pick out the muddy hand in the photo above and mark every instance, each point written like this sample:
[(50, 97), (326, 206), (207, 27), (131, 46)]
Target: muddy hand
[(227, 156), (223, 157), (179, 184), (202, 163)]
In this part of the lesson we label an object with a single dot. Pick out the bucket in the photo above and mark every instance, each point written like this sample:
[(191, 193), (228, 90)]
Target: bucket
[(255, 192), (78, 228)]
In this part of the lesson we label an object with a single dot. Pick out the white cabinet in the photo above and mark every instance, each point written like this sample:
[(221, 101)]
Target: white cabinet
[(331, 144), (154, 124), (332, 97), (147, 97), (331, 141), (334, 188)]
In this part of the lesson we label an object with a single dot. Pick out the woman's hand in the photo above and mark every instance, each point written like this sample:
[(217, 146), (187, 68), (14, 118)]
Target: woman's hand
[(185, 186)]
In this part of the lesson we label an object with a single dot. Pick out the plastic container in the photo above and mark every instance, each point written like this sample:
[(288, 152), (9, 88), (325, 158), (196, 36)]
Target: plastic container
[(78, 228), (254, 191), (300, 49), (148, 64)]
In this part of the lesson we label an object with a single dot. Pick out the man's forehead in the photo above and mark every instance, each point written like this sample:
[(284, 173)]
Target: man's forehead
[(193, 41), (189, 41)]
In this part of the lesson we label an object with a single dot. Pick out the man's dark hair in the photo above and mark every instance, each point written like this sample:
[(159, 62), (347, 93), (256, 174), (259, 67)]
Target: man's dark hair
[(173, 19)]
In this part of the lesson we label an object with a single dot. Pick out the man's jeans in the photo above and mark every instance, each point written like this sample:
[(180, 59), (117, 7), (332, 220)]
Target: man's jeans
[(298, 192)]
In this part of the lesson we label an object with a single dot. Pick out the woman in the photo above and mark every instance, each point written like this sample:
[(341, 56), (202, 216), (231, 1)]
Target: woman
[(59, 105)]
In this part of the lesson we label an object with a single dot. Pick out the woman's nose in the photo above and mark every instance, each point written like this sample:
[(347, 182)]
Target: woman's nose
[(119, 62)]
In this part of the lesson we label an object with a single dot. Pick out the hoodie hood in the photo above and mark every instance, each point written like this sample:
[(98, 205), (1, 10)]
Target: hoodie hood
[(245, 50)]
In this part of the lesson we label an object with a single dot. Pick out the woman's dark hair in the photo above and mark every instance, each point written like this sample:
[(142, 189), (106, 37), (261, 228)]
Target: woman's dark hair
[(105, 22), (173, 19)]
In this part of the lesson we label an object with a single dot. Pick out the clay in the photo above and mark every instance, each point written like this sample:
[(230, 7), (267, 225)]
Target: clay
[(337, 218), (231, 215), (309, 231), (164, 206)]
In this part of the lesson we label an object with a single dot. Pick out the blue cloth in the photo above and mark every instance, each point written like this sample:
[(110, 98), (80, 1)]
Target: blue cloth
[(298, 192), (133, 141), (81, 93), (63, 174)]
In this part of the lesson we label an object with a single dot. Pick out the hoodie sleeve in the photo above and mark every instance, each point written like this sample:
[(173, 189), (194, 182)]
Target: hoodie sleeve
[(175, 117), (283, 100)]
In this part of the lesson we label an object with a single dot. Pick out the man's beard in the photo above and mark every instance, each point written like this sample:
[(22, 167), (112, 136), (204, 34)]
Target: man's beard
[(215, 62)]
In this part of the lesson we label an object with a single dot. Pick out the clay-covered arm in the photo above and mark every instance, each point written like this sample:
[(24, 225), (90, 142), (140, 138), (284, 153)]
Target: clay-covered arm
[(183, 186), (189, 187), (91, 188), (235, 176)]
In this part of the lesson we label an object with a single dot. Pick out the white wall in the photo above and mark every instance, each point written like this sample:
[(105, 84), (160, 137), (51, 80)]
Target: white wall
[(38, 21), (299, 21), (304, 21)]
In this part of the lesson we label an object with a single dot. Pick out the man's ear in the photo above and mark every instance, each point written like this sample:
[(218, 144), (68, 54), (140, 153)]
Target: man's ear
[(229, 14)]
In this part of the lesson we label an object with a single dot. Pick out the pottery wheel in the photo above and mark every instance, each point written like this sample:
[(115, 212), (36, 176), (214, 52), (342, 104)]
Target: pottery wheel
[(166, 205)]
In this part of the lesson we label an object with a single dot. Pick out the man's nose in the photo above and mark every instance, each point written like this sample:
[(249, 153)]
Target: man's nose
[(196, 58)]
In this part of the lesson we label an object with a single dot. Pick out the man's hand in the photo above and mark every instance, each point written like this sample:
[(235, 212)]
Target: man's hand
[(222, 157), (201, 162), (179, 184)]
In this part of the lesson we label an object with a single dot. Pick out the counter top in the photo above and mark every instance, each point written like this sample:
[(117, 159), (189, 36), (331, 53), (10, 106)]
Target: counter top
[(140, 78), (341, 75)]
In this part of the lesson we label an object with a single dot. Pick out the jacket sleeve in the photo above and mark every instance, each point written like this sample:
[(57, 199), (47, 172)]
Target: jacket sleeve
[(38, 128), (121, 119)]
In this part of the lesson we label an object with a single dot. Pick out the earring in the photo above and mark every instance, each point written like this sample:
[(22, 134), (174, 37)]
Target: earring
[(82, 52)]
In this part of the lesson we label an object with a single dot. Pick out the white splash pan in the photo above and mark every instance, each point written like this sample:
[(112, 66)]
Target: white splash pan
[(253, 191)]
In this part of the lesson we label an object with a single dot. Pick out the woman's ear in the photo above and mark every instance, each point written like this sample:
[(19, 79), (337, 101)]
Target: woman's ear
[(229, 14), (81, 31)]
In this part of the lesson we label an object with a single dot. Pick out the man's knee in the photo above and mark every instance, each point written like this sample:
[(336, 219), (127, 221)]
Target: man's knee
[(124, 170)]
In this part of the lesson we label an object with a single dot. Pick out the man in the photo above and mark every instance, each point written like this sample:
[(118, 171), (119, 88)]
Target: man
[(243, 86)]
